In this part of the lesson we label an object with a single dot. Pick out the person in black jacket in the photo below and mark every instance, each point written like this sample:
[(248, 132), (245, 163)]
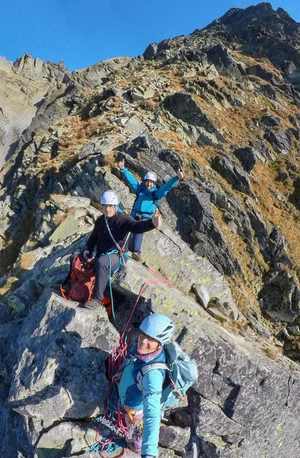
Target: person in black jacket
[(106, 240)]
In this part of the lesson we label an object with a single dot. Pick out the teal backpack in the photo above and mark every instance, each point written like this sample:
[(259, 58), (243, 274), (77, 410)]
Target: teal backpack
[(182, 373)]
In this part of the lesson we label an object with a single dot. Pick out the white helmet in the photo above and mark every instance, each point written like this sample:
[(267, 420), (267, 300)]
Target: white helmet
[(109, 198), (150, 176)]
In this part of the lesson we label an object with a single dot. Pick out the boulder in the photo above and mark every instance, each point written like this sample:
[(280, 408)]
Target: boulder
[(280, 296), (151, 291), (165, 251), (247, 157), (280, 141), (174, 438), (270, 121), (61, 351), (67, 439), (145, 153)]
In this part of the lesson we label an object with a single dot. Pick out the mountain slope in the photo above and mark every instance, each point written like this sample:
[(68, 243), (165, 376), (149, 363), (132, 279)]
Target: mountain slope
[(223, 104)]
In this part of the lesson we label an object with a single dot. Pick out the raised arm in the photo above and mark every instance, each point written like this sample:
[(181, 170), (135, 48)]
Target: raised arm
[(166, 187), (130, 179), (137, 227), (152, 391)]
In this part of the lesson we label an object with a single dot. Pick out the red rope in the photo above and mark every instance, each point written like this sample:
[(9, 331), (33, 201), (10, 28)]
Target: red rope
[(121, 423), (160, 279), (118, 355), (115, 360), (133, 310)]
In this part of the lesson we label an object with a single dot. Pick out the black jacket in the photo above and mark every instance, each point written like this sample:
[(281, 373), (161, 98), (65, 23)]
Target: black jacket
[(119, 225)]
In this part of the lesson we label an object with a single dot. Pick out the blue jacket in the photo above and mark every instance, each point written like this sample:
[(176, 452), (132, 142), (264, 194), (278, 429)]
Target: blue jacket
[(146, 200), (146, 397)]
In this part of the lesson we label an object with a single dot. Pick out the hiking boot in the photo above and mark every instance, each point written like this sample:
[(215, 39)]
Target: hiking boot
[(92, 304), (136, 256)]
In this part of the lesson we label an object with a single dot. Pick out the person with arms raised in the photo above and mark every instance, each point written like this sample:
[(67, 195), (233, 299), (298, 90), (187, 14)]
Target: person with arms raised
[(148, 195)]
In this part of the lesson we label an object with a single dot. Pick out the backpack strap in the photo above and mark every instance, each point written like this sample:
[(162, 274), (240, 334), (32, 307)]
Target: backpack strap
[(150, 367)]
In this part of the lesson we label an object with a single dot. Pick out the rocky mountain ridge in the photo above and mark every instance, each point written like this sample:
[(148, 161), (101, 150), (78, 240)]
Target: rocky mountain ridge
[(223, 104)]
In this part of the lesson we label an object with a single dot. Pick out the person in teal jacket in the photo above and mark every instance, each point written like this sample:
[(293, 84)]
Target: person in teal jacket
[(147, 197), (139, 396)]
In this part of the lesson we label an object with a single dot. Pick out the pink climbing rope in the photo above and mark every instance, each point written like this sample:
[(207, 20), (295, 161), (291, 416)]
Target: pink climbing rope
[(117, 357)]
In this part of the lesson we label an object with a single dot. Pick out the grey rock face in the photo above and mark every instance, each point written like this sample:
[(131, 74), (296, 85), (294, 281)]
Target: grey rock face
[(14, 438), (150, 51), (222, 60), (237, 392), (233, 174), (272, 244), (261, 72), (183, 107), (197, 226)]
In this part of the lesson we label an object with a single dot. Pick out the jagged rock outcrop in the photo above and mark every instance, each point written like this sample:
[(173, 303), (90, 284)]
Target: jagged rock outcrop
[(183, 107), (24, 84), (235, 176)]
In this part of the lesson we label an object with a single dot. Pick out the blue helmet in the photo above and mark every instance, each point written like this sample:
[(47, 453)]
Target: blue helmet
[(159, 327)]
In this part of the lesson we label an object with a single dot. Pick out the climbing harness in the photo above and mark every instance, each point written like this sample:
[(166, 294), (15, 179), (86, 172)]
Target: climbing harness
[(121, 251)]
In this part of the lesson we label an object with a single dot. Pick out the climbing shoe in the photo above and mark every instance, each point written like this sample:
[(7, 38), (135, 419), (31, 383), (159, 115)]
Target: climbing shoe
[(113, 450)]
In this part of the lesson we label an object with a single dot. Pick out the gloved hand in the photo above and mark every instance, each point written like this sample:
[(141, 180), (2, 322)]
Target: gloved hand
[(86, 255)]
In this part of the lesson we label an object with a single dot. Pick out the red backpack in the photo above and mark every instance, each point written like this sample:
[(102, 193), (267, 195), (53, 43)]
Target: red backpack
[(80, 282)]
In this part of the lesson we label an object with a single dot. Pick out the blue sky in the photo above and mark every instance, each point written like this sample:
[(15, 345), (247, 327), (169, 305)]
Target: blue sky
[(83, 32)]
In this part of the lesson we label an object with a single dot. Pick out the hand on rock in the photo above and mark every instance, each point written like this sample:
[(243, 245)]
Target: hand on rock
[(156, 219), (180, 174)]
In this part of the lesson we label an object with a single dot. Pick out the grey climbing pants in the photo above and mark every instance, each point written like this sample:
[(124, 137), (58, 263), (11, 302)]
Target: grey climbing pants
[(103, 264)]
